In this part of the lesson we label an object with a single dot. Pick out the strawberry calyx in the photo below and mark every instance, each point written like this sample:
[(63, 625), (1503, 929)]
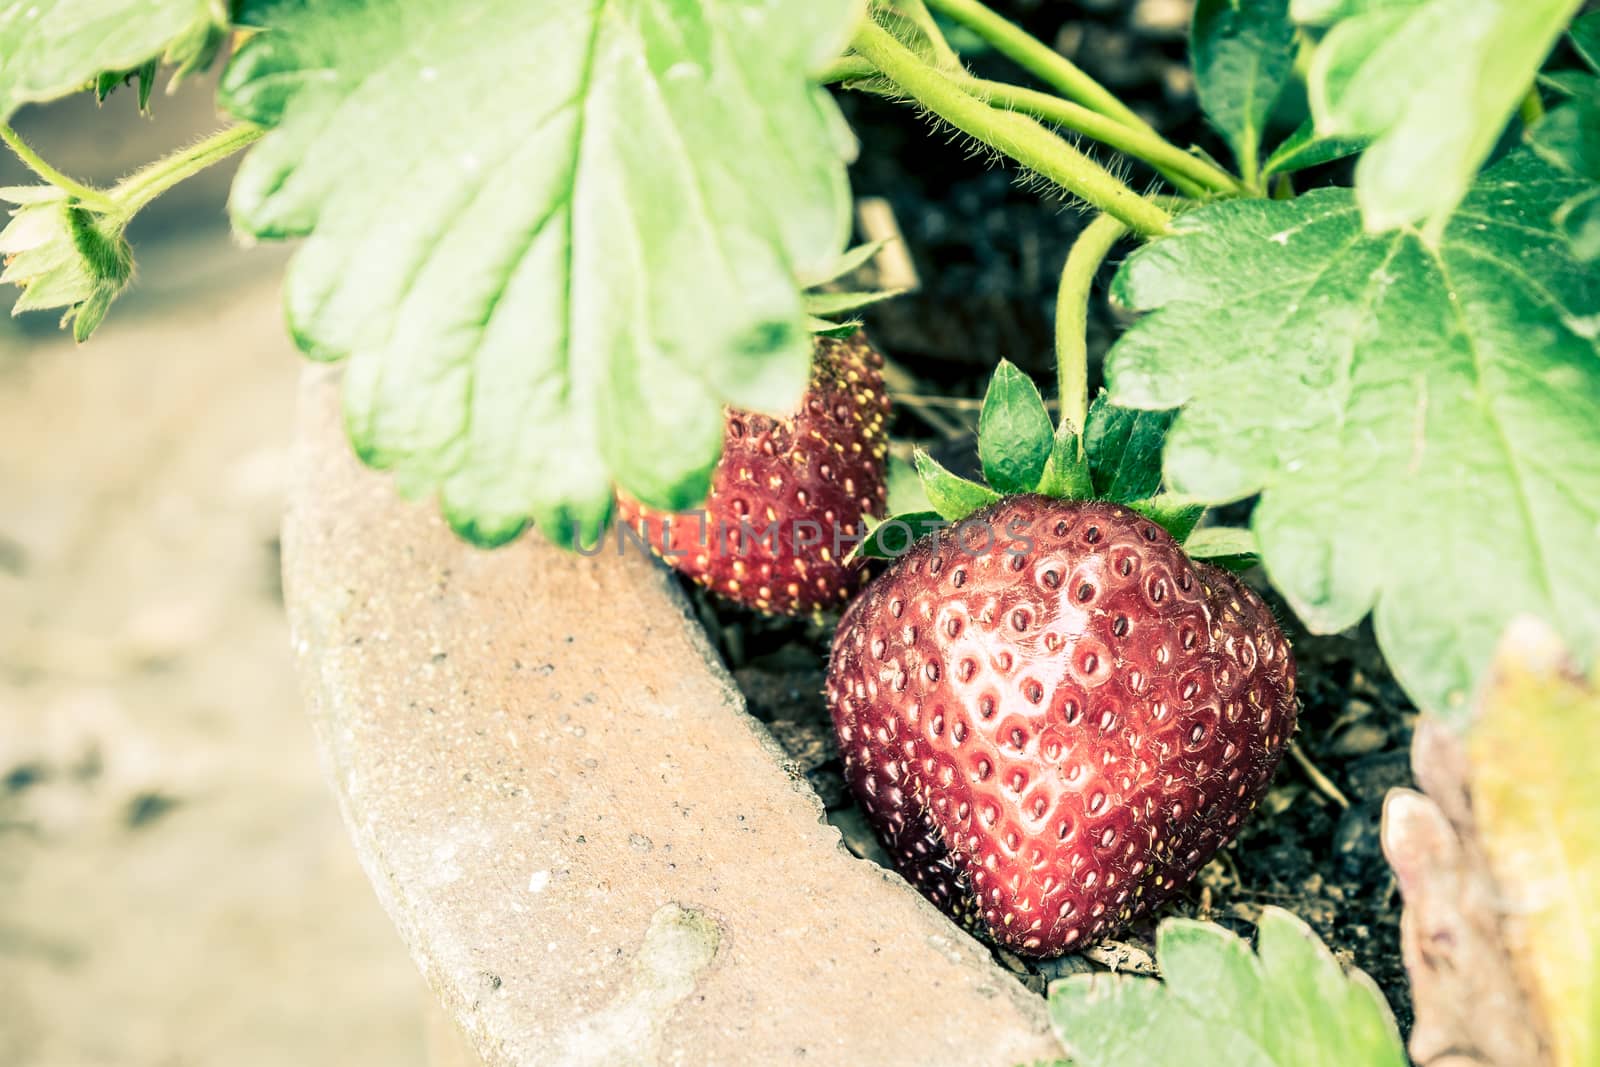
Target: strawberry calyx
[(1116, 458)]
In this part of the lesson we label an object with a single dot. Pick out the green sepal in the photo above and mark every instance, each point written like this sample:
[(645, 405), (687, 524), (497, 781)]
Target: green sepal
[(893, 537), (1015, 436), (1178, 514), (1124, 449), (1066, 475), (64, 255), (838, 330), (108, 80), (825, 304), (848, 262), (952, 496), (1230, 547)]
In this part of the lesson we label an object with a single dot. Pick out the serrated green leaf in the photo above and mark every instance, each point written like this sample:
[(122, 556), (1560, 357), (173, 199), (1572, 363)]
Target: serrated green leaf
[(1304, 148), (1579, 222), (52, 49), (1414, 417), (554, 242), (63, 255), (1124, 447), (1433, 83), (1014, 431), (1569, 135), (952, 496), (1536, 804), (1585, 38), (894, 536), (1288, 1005), (1243, 55)]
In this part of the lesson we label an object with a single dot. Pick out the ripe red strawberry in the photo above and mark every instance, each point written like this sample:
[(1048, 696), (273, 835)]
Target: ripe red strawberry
[(783, 488), (1052, 733)]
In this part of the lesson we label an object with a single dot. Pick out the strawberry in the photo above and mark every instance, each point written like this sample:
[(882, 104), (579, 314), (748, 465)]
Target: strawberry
[(1054, 727), (789, 496)]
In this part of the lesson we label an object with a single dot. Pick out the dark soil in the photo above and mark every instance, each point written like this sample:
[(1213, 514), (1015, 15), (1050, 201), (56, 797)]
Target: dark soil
[(988, 249)]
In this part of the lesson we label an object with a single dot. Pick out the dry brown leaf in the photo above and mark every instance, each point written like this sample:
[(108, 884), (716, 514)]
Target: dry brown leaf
[(1497, 864)]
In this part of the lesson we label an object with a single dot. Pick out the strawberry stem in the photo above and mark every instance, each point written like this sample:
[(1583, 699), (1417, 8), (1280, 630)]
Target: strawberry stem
[(88, 196), (1190, 174), (1017, 136), (1072, 318), (144, 185), (1040, 60), (917, 11)]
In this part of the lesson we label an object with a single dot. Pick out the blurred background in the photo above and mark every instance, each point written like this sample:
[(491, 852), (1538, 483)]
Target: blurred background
[(175, 885)]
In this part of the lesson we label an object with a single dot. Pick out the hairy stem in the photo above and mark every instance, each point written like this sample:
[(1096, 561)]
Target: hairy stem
[(1014, 135), (1043, 62), (1192, 175), (91, 197), (1072, 317), (150, 182), (917, 11)]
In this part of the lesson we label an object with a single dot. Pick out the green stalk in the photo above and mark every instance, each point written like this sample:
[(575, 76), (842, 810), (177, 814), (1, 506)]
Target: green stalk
[(1189, 173), (89, 196), (1017, 136), (145, 185), (1043, 62), (846, 69), (1072, 318)]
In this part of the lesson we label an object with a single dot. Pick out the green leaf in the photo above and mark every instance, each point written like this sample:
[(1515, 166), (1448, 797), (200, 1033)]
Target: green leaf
[(1287, 1005), (1569, 135), (1415, 417), (1014, 431), (1304, 148), (1432, 82), (1124, 447), (1243, 55), (1579, 222), (894, 536), (554, 242), (63, 255), (52, 49), (952, 496), (1536, 803)]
